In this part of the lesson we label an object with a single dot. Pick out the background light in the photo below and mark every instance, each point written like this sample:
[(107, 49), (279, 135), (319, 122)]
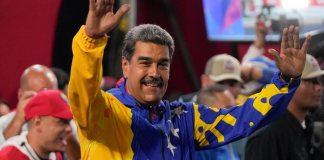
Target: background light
[(294, 4)]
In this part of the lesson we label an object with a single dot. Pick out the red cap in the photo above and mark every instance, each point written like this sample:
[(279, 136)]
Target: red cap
[(48, 103)]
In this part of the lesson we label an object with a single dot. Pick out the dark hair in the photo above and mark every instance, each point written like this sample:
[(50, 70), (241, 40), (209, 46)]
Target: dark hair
[(146, 33), (61, 76)]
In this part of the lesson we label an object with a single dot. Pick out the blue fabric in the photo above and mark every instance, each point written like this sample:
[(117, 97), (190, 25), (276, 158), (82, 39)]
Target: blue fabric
[(220, 153), (181, 128), (269, 68)]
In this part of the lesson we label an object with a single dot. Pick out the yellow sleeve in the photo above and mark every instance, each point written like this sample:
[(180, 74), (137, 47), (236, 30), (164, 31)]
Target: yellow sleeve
[(214, 127), (85, 97)]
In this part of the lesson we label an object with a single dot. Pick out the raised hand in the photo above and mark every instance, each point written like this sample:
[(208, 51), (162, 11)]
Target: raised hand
[(23, 101), (16, 124), (101, 18), (291, 59), (261, 30)]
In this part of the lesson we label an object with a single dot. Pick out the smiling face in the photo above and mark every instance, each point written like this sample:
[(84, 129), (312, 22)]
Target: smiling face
[(147, 72), (54, 133)]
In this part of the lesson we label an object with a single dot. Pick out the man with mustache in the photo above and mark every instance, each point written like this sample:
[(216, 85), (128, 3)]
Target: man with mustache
[(132, 121)]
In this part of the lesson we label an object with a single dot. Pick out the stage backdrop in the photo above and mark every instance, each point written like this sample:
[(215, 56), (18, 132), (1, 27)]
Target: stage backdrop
[(27, 30), (41, 31)]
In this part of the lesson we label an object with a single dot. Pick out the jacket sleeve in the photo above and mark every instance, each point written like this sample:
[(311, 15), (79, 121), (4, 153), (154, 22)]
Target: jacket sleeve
[(85, 96), (251, 53), (213, 127)]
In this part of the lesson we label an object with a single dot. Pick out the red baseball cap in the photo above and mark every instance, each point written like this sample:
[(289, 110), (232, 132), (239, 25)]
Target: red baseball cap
[(48, 103)]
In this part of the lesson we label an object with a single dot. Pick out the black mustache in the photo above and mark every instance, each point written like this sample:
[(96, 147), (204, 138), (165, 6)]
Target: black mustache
[(153, 80)]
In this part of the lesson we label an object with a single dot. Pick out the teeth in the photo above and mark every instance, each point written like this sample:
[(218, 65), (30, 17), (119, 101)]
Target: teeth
[(152, 85)]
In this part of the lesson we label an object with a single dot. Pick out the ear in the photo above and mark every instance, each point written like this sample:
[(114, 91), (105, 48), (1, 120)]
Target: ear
[(20, 92), (36, 123), (125, 66)]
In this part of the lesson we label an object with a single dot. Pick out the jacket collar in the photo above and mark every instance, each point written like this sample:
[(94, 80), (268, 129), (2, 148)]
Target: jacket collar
[(120, 92), (163, 108)]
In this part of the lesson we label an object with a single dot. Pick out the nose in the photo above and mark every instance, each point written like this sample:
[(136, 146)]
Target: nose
[(153, 70)]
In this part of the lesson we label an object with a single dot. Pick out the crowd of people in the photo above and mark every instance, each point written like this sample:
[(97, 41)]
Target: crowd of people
[(259, 108)]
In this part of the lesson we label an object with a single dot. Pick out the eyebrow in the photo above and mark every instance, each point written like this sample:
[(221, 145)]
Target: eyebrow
[(142, 58), (164, 60)]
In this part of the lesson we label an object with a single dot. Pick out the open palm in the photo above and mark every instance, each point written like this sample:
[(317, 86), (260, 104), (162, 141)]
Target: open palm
[(101, 18), (291, 59)]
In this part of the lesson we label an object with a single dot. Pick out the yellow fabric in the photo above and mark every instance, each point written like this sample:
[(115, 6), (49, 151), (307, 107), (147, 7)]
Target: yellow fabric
[(258, 107), (101, 119), (269, 91), (241, 99), (200, 124)]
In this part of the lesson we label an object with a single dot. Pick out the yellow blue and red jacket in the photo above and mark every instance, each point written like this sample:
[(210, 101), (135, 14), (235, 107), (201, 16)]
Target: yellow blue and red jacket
[(113, 125)]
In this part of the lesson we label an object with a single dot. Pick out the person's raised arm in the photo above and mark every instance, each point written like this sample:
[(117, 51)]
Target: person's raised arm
[(216, 127), (257, 47), (15, 126), (86, 71), (261, 31)]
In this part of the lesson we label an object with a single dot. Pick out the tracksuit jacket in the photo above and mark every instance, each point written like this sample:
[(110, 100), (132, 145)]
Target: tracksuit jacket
[(113, 125)]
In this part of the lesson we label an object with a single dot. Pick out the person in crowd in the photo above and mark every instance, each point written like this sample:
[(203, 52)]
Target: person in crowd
[(73, 146), (256, 71), (222, 69), (289, 136), (4, 107), (62, 79), (132, 121), (48, 115), (317, 139), (256, 68), (35, 78), (217, 96)]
